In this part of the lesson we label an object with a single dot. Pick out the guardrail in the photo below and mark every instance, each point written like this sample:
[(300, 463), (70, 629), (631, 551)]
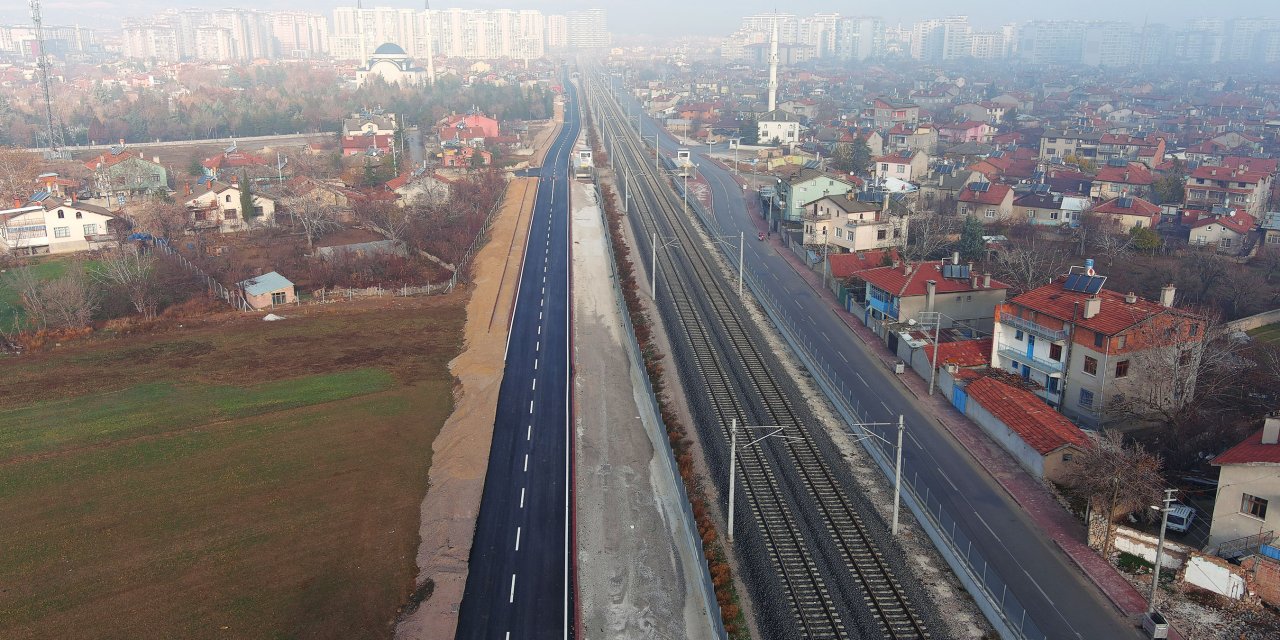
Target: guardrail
[(659, 437), (991, 593)]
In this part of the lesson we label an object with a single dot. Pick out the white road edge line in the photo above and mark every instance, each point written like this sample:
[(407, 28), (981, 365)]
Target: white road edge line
[(535, 385), (528, 433), (526, 457), (521, 497), (517, 538), (530, 406), (864, 382), (512, 598)]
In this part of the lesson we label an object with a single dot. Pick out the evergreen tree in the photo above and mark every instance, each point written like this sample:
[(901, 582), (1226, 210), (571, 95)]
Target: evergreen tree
[(750, 131), (972, 247), (246, 198), (860, 157)]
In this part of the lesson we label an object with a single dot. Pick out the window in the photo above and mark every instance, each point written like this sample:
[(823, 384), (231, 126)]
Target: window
[(1055, 352), (79, 215), (902, 168), (897, 233), (228, 198), (1226, 242), (1091, 365), (1122, 369), (1099, 339), (62, 232), (278, 297), (881, 234), (1031, 213), (1017, 335), (991, 213), (1195, 329), (1253, 506), (1066, 457), (1121, 341), (884, 166), (61, 215), (1086, 398), (1273, 239), (91, 229), (229, 214)]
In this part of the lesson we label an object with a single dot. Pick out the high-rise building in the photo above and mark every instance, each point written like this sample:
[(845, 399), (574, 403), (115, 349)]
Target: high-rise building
[(300, 35), (1051, 42), (588, 29), (1110, 44), (942, 39), (453, 32), (859, 38), (557, 31)]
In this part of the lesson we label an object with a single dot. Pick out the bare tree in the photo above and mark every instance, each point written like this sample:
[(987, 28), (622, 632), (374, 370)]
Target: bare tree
[(316, 220), (66, 302), (159, 218), (929, 234), (1116, 479), (132, 270), (18, 172), (30, 292), (386, 218), (1027, 261)]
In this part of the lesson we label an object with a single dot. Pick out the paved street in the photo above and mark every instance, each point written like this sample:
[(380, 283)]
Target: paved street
[(519, 580), (1060, 600)]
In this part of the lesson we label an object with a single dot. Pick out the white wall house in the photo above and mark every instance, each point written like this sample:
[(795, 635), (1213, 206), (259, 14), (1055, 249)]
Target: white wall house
[(779, 125), (1248, 482), (219, 207), (58, 226)]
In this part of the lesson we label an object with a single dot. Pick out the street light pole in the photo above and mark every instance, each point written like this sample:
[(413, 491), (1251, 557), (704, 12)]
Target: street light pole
[(897, 477), (733, 470), (1164, 522), (741, 246)]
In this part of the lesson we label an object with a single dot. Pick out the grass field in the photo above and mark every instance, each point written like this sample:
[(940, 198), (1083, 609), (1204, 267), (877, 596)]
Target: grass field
[(1266, 333), (239, 479), (10, 304)]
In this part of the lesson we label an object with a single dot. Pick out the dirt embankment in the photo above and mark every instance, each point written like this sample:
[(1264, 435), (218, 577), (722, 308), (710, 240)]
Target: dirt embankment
[(461, 451)]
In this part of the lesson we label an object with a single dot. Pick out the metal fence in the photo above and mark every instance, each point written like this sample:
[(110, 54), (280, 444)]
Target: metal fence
[(232, 297), (338, 293), (659, 437), (992, 594)]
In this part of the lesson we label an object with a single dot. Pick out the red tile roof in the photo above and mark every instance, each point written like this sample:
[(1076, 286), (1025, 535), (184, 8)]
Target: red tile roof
[(1227, 174), (844, 265), (1114, 314), (1044, 429), (1137, 207), (965, 353), (233, 159), (1239, 222), (993, 195), (1263, 165), (1133, 173), (898, 282), (1250, 451)]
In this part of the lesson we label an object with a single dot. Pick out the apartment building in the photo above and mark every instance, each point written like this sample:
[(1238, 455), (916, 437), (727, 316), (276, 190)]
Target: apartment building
[(1088, 347), (885, 113), (845, 224), (804, 186), (1057, 144), (906, 165), (1233, 186), (1248, 482)]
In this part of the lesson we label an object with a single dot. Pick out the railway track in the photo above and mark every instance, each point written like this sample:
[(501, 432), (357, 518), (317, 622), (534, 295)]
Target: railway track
[(740, 385)]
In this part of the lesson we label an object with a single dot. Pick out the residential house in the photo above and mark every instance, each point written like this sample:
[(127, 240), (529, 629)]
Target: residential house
[(803, 107), (364, 124), (1128, 212), (233, 163), (121, 175), (967, 131), (1121, 178), (1248, 482), (1085, 346), (805, 186), (1041, 206), (219, 207), (54, 225), (921, 137), (367, 144), (1228, 230), (1209, 186), (778, 127), (1057, 144), (268, 290), (472, 129), (907, 165), (885, 113), (1149, 150), (988, 201), (1042, 440), (307, 193), (899, 293), (1270, 226), (989, 112), (464, 157), (844, 224)]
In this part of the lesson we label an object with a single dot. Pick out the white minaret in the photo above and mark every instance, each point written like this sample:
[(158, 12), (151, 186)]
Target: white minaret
[(773, 67)]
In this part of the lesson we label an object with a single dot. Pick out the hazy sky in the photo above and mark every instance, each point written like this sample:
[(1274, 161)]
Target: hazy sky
[(706, 17)]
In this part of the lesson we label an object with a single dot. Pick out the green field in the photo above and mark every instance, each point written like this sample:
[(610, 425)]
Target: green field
[(11, 304), (1266, 333), (237, 480)]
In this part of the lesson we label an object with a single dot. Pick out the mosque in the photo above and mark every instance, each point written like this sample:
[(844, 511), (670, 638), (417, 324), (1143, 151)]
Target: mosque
[(393, 65)]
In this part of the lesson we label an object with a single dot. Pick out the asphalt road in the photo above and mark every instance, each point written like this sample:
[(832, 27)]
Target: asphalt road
[(1057, 596), (518, 578)]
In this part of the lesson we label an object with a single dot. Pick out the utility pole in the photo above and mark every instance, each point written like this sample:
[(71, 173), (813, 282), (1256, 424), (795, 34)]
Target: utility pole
[(741, 246), (42, 63), (1164, 522), (897, 465)]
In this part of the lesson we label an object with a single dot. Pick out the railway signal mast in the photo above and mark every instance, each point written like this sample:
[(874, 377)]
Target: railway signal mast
[(54, 133)]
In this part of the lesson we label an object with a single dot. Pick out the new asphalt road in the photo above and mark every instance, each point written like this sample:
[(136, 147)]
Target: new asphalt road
[(519, 582), (1058, 598)]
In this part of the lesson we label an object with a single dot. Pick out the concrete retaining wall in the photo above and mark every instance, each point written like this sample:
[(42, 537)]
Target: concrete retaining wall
[(1253, 322)]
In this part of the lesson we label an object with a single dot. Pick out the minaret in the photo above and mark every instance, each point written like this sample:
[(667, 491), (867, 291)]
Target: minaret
[(431, 54), (773, 67)]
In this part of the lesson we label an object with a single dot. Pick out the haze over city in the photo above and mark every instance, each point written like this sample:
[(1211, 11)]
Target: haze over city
[(604, 320)]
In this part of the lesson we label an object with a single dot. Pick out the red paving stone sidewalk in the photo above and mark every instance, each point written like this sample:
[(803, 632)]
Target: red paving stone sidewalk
[(1059, 525)]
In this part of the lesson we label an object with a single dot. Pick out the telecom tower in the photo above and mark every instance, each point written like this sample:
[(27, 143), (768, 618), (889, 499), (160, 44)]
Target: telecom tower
[(42, 63), (773, 67)]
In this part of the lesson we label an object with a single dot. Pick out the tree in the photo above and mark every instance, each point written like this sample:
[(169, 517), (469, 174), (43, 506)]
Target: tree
[(246, 198), (929, 234), (66, 302), (1085, 164), (1026, 262), (386, 218), (131, 269), (1115, 479), (160, 218), (749, 131), (316, 220), (842, 157), (1145, 239), (860, 157), (18, 171), (972, 247)]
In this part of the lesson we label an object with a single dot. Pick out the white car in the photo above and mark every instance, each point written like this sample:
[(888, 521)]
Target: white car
[(1180, 517)]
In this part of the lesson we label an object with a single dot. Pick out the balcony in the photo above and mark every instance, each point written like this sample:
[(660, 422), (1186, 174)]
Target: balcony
[(887, 308), (1020, 355), (1053, 335)]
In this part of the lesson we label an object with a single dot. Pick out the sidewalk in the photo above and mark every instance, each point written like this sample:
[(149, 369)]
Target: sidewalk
[(1059, 525)]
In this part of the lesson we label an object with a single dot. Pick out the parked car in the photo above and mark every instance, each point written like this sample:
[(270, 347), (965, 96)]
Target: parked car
[(1180, 517)]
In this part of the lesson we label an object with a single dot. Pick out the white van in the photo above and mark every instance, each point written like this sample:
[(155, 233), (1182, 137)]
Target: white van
[(1180, 517)]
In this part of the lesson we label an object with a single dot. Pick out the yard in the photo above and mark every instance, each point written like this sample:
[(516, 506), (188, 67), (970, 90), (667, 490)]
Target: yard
[(45, 268), (1266, 333), (230, 479)]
